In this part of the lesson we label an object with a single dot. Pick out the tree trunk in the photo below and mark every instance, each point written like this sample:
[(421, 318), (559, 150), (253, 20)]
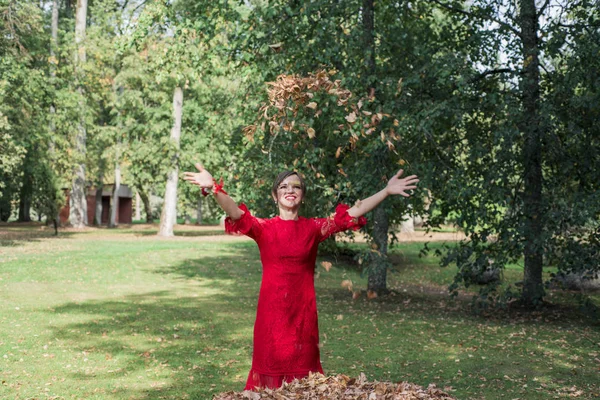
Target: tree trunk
[(138, 206), (368, 11), (53, 63), (147, 206), (99, 186), (408, 224), (115, 198), (26, 192), (168, 216), (5, 208), (199, 211), (533, 288), (54, 33), (78, 215), (377, 280), (98, 213)]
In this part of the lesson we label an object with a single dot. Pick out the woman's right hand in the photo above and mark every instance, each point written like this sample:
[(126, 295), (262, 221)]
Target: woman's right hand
[(202, 178)]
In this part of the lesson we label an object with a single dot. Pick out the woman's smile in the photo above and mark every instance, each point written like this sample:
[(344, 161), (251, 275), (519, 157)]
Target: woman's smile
[(289, 192)]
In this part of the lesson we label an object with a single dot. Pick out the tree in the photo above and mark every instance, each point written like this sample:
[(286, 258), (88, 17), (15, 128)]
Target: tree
[(78, 198), (502, 164), (346, 37), (168, 217), (24, 93)]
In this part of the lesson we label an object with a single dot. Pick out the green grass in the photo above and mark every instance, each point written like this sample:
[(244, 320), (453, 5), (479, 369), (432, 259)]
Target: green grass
[(122, 314)]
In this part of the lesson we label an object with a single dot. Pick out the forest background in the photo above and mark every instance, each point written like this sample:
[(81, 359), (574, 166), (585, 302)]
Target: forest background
[(493, 104)]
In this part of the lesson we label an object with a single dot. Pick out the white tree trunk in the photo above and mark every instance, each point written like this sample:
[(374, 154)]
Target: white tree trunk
[(98, 213), (408, 224), (115, 198), (78, 201), (78, 214), (54, 33), (138, 206), (168, 216), (80, 24)]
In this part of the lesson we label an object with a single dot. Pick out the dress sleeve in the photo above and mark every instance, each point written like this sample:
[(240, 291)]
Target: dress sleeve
[(338, 222), (247, 225)]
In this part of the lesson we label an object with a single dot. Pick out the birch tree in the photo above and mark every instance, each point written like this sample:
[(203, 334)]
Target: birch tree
[(78, 198)]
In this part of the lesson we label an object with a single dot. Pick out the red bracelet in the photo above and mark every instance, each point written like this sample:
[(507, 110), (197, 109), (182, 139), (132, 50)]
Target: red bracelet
[(217, 187)]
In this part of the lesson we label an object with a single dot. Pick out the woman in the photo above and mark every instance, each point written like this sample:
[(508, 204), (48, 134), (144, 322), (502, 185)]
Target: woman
[(286, 334)]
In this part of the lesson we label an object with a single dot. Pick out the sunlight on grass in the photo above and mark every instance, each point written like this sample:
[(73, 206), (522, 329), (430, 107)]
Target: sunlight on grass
[(114, 314)]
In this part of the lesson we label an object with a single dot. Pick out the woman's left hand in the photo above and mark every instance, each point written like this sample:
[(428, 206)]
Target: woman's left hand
[(398, 185)]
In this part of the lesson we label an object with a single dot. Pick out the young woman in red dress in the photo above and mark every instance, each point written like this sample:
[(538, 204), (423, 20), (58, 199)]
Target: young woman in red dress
[(286, 333)]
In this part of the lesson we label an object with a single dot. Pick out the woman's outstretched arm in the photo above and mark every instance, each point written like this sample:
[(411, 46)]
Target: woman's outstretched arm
[(204, 179), (395, 186)]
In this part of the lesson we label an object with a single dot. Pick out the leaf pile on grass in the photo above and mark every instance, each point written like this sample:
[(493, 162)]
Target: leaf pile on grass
[(317, 387)]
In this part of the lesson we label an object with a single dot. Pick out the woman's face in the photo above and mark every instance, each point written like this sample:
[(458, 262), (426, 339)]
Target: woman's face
[(289, 192)]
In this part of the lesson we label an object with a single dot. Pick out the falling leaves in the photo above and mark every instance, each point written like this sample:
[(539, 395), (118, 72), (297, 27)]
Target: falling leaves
[(342, 387), (290, 96)]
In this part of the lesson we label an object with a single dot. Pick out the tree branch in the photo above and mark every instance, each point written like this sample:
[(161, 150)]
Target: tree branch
[(492, 72), (472, 15), (543, 8)]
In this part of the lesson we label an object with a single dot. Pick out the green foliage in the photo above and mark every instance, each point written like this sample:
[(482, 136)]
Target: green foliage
[(24, 99), (479, 160), (447, 106)]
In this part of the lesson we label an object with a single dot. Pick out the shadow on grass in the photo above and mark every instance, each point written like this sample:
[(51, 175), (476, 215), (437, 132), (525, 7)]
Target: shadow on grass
[(15, 233), (179, 344), (192, 344), (186, 233)]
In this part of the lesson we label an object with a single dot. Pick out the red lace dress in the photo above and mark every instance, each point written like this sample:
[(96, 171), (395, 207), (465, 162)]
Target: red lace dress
[(286, 332)]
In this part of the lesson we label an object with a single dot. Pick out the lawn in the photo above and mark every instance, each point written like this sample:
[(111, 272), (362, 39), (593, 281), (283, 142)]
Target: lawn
[(122, 314)]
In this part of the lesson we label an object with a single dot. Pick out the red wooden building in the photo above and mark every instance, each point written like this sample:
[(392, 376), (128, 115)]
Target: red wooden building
[(124, 205)]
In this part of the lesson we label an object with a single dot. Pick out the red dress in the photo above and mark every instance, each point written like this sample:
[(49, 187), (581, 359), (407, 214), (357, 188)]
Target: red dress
[(286, 332)]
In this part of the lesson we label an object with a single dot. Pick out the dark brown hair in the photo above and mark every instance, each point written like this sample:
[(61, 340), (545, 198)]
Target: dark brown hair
[(282, 176)]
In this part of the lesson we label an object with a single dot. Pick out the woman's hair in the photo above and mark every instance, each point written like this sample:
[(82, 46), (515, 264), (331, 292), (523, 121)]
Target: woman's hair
[(282, 176)]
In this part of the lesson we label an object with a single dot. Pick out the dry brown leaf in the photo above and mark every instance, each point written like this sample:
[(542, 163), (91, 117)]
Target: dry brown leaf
[(311, 133), (341, 387), (347, 283), (327, 265), (312, 105), (351, 117)]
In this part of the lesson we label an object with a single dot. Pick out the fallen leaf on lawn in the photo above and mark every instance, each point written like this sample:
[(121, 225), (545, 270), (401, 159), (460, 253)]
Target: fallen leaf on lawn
[(317, 386), (347, 283), (351, 117), (327, 265)]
